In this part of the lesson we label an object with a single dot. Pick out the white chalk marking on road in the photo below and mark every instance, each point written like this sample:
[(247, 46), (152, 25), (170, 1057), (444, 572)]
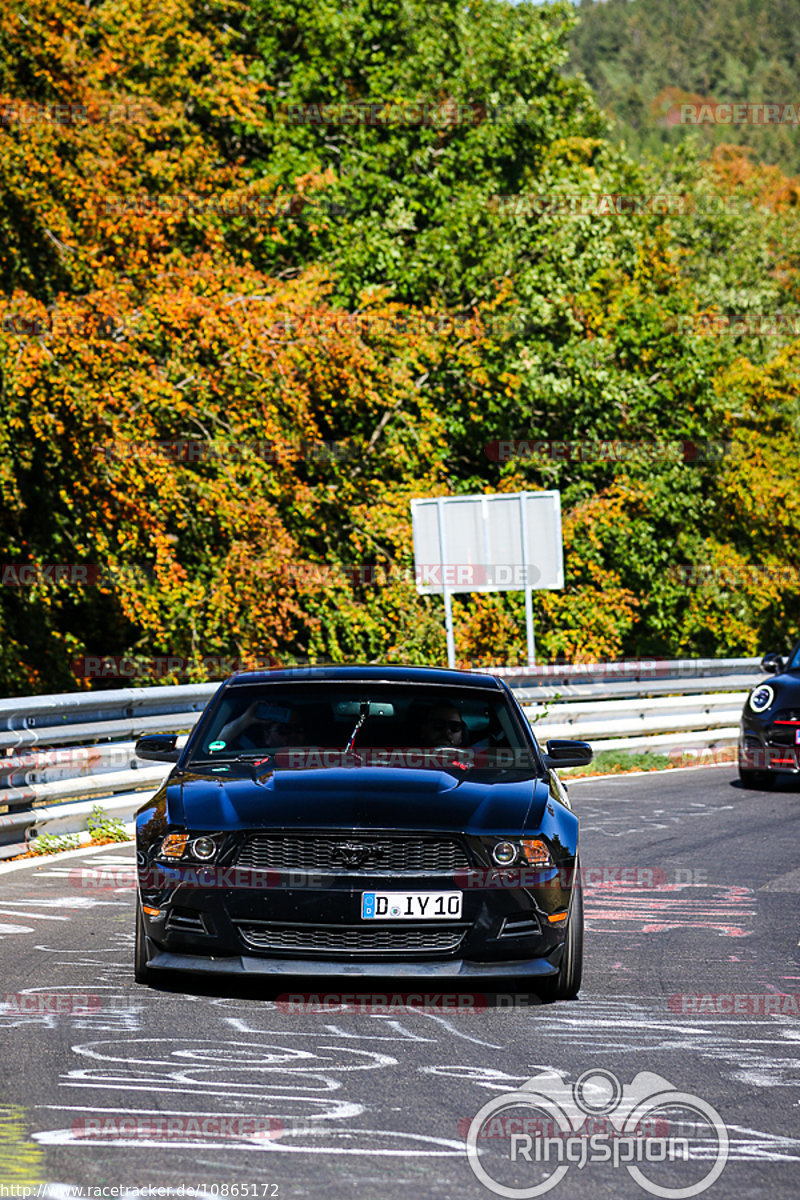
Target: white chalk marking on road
[(31, 916)]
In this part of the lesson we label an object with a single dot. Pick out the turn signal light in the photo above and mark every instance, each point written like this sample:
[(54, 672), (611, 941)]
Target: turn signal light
[(554, 918), (174, 845), (536, 852), (151, 912)]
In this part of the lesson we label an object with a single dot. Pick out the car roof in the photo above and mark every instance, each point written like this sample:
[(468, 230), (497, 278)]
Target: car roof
[(371, 674)]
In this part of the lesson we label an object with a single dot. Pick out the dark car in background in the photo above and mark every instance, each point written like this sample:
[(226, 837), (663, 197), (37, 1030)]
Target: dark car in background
[(361, 820), (769, 737)]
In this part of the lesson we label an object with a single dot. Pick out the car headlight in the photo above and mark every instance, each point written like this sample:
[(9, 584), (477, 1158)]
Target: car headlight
[(761, 698), (203, 847), (178, 845), (504, 854)]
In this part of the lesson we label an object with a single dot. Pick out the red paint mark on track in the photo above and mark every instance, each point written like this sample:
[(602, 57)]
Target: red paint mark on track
[(620, 908)]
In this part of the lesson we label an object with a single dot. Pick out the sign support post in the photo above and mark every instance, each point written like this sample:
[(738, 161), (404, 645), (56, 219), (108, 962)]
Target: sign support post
[(448, 604), (526, 583)]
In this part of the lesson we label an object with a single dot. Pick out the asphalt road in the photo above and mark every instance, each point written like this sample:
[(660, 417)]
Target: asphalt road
[(692, 975)]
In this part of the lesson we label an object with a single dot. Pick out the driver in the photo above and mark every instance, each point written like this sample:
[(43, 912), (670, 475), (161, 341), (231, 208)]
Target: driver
[(442, 725)]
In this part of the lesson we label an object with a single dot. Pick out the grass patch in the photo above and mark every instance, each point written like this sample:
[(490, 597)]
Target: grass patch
[(53, 843), (619, 762), (21, 1160), (105, 828)]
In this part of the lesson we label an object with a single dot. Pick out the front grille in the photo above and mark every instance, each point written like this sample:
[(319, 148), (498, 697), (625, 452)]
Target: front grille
[(354, 855), (787, 714), (783, 735), (350, 939)]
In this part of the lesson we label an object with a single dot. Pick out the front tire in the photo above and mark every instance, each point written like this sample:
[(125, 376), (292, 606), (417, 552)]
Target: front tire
[(141, 971), (566, 984), (763, 780)]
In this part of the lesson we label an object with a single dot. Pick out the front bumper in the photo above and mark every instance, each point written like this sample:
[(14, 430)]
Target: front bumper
[(247, 965), (278, 930), (768, 747)]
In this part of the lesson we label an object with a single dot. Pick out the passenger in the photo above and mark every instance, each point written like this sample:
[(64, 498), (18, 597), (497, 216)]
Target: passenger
[(263, 726)]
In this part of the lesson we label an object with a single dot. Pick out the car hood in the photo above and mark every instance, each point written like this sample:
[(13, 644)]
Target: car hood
[(787, 681), (379, 798)]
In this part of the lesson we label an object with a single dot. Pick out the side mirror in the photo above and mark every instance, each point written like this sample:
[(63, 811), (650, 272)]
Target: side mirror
[(160, 747), (568, 754), (772, 663)]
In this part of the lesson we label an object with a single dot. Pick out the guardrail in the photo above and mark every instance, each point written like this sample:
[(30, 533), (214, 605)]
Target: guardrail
[(59, 755), (674, 706)]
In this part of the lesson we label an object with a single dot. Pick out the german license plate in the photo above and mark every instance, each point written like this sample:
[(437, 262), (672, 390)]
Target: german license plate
[(410, 906)]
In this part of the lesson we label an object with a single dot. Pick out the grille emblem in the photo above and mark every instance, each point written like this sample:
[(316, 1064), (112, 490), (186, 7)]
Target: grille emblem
[(356, 854)]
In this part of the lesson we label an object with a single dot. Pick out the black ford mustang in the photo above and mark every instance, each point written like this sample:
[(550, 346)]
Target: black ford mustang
[(361, 820), (769, 737)]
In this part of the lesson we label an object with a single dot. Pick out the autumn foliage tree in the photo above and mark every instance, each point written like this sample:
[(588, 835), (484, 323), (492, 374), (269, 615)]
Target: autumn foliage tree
[(240, 332)]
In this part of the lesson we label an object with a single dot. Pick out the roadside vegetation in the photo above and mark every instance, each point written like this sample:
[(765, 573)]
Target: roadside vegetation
[(338, 314), (103, 830), (623, 762)]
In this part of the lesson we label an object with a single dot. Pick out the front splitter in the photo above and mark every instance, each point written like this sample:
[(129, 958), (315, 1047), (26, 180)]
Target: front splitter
[(244, 965)]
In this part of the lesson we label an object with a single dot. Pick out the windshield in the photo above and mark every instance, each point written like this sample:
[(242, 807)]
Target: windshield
[(326, 724), (794, 661)]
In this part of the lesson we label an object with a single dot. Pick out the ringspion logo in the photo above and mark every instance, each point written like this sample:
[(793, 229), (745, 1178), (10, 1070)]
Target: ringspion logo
[(695, 1140)]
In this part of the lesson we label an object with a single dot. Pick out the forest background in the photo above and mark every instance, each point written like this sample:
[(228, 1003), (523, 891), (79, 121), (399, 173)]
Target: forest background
[(271, 269)]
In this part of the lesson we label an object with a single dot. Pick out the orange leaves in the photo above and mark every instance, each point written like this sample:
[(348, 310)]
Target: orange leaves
[(486, 633), (734, 171), (208, 437)]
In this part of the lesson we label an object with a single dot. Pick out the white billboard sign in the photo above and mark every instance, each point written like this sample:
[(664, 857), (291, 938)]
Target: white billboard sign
[(497, 543), (501, 542)]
